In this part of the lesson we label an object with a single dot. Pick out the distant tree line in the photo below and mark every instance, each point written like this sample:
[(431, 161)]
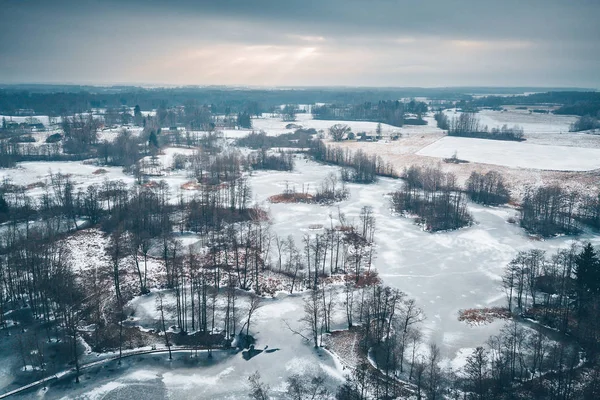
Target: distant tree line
[(571, 102), (56, 100), (388, 112)]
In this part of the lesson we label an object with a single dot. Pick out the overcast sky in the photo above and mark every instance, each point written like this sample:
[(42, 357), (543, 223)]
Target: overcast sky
[(301, 43)]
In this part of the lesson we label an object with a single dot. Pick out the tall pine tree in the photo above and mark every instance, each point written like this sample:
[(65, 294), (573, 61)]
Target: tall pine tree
[(587, 273)]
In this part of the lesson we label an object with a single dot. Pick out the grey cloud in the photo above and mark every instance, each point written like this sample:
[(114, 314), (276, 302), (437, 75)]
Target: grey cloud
[(547, 42)]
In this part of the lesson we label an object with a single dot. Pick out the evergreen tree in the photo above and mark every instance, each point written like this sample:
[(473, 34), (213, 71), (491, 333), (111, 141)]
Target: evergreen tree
[(244, 120), (137, 115), (588, 270), (289, 113), (3, 209), (587, 273), (153, 139), (477, 373)]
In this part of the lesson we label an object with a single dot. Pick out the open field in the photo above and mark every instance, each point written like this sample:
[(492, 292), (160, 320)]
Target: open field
[(515, 154), (546, 157)]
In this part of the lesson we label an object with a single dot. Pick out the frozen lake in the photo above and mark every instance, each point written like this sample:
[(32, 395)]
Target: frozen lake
[(444, 272)]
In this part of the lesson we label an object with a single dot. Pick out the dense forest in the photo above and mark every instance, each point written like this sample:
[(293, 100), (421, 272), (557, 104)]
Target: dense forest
[(69, 100), (56, 100)]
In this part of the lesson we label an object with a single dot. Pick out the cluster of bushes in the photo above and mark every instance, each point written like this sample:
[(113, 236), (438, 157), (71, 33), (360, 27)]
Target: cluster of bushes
[(487, 188), (585, 123), (329, 191)]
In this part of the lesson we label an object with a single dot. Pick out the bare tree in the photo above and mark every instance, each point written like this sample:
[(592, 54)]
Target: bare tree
[(338, 132), (258, 389), (161, 309), (476, 370), (252, 307), (313, 315), (306, 387)]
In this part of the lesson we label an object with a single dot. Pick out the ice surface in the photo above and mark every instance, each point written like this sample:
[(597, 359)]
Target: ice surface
[(445, 271)]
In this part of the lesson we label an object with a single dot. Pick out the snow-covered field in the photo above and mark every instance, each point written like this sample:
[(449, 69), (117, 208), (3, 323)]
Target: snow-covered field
[(275, 126), (531, 122), (515, 154), (81, 173), (110, 134), (37, 175)]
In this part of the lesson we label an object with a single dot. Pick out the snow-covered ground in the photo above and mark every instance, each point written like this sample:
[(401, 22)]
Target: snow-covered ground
[(222, 377), (531, 122), (515, 154), (444, 272), (36, 174), (547, 129), (276, 126), (110, 134), (82, 174)]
